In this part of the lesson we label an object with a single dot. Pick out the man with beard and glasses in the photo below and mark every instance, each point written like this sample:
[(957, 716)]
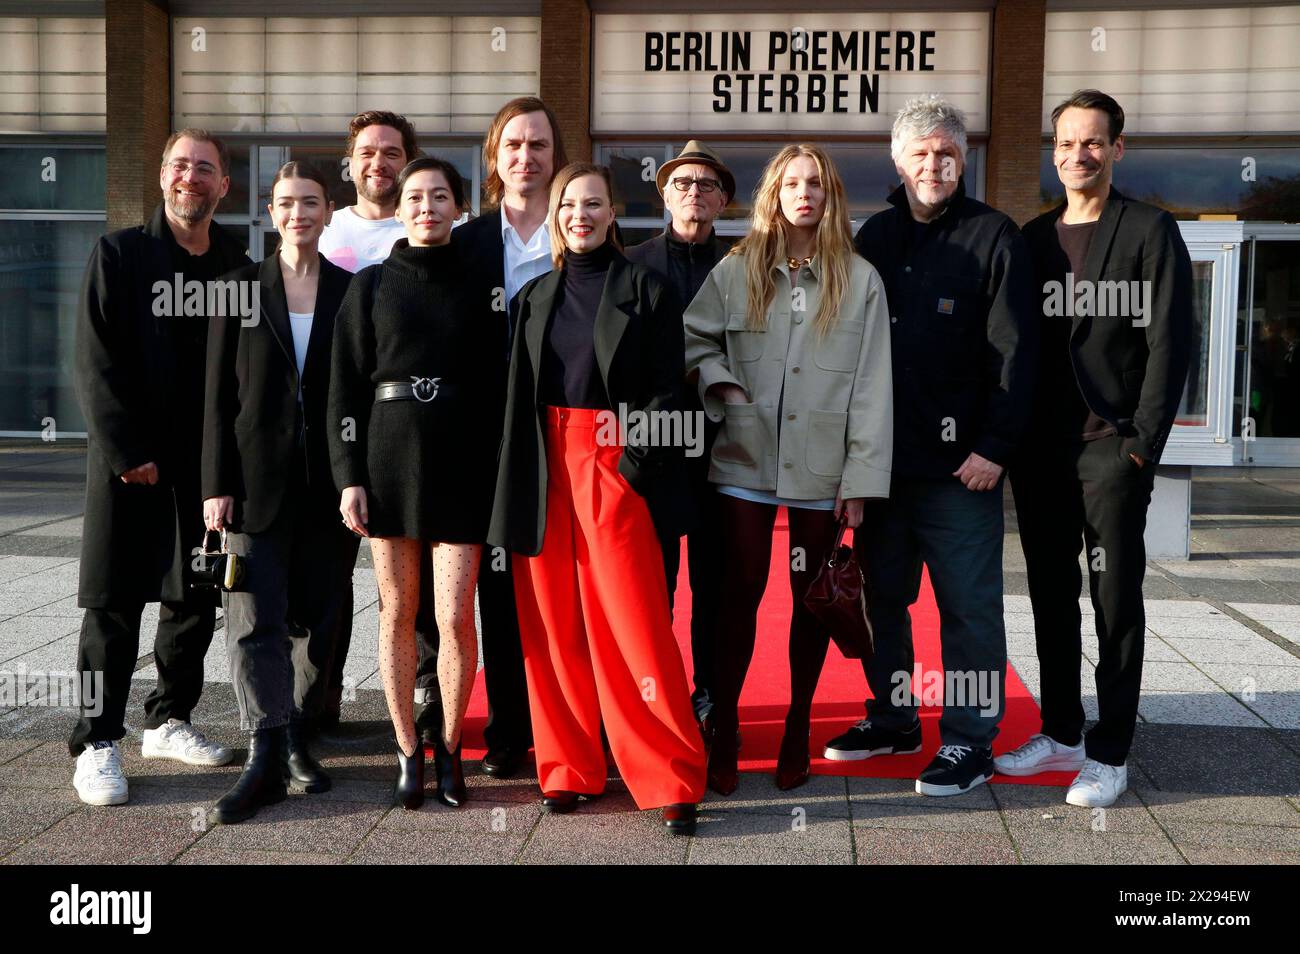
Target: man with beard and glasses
[(139, 376)]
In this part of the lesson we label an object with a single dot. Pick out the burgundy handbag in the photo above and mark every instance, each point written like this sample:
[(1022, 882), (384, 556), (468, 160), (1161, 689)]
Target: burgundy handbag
[(838, 598)]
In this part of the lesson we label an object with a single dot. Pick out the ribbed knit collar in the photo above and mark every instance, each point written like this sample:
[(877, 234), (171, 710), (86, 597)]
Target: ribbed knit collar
[(423, 263)]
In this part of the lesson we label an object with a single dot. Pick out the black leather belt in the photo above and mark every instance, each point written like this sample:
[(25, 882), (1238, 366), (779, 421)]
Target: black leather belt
[(423, 390)]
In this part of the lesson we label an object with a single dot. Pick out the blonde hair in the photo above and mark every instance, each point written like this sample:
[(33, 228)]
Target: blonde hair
[(575, 170), (765, 247)]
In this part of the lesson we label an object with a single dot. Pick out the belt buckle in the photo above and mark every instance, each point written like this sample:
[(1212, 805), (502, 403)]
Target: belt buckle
[(424, 390)]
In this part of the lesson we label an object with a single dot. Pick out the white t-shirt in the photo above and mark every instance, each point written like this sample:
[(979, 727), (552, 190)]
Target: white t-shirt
[(352, 242)]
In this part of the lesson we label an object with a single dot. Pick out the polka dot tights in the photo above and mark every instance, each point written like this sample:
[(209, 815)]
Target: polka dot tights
[(455, 572)]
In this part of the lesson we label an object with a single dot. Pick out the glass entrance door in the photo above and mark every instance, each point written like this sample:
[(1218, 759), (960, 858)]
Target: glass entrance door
[(1267, 427)]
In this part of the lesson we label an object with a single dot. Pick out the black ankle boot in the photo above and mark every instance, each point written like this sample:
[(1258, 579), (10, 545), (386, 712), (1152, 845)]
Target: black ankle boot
[(302, 773), (261, 782), (409, 792), (451, 777)]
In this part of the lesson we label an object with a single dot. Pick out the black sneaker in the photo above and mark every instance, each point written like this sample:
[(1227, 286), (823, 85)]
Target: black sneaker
[(956, 769), (865, 740)]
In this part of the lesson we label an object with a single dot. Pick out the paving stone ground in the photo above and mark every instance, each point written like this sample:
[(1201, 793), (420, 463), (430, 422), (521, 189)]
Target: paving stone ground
[(1214, 774)]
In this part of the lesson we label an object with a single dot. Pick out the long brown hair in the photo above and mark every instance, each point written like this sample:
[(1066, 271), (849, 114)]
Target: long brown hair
[(575, 170), (765, 247), (494, 189)]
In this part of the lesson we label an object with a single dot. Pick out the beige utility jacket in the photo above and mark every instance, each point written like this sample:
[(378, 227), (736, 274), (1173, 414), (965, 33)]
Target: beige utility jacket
[(822, 415)]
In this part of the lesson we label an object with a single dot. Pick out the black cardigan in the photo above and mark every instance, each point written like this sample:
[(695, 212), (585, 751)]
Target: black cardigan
[(640, 350)]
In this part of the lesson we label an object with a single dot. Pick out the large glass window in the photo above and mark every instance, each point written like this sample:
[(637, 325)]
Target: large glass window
[(1260, 183), (1269, 321), (42, 262), (64, 178)]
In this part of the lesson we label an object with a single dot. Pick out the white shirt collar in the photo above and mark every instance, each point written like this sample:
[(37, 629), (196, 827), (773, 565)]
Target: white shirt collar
[(540, 242)]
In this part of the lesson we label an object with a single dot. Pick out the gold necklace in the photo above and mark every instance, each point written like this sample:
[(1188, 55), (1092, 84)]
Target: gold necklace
[(797, 263)]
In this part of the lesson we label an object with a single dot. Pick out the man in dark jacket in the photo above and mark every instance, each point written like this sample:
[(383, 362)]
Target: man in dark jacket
[(957, 277), (696, 187), (1116, 282), (509, 245), (140, 356)]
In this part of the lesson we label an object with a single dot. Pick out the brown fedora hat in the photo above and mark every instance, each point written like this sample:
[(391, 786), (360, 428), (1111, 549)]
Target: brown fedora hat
[(696, 152)]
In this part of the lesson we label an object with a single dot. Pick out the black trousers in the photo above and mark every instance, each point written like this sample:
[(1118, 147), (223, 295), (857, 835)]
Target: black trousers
[(1067, 497), (509, 723), (704, 562), (110, 643), (298, 582)]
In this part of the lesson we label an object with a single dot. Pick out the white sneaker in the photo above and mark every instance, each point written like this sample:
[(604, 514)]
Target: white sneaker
[(1098, 785), (99, 779), (181, 741), (1041, 753)]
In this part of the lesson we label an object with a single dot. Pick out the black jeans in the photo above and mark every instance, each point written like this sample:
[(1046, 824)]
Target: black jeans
[(704, 561), (957, 534), (1068, 496), (110, 643), (298, 571)]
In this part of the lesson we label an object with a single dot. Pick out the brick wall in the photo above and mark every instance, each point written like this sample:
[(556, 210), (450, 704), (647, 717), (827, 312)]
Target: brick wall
[(1015, 116), (566, 71), (138, 84)]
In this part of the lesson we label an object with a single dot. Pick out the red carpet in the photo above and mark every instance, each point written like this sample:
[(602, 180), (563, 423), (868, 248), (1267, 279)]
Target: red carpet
[(838, 703)]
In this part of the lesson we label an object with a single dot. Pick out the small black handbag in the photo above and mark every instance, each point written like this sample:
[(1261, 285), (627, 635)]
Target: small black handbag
[(837, 596), (215, 567)]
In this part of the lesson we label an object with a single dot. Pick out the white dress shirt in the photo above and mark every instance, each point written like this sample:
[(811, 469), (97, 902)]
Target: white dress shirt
[(524, 261)]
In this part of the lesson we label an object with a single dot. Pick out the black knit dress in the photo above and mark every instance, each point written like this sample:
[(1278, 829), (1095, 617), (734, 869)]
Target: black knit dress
[(429, 468)]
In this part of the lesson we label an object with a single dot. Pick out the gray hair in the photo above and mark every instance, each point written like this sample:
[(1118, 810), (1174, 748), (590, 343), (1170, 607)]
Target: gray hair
[(924, 116)]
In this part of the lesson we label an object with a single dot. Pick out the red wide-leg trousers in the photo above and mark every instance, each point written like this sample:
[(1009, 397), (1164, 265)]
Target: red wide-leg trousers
[(597, 633)]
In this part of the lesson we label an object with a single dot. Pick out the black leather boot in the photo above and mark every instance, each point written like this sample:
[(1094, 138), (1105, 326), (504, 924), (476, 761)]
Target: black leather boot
[(451, 776), (409, 792), (261, 782), (302, 773)]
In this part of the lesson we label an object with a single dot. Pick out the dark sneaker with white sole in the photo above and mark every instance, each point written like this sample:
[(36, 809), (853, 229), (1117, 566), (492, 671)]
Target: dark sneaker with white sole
[(956, 769), (865, 740)]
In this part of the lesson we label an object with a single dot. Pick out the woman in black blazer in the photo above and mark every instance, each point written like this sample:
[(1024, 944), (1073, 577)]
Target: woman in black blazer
[(266, 478), (598, 347), (416, 398)]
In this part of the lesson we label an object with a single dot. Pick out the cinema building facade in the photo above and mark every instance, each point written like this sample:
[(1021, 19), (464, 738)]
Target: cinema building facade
[(1212, 90)]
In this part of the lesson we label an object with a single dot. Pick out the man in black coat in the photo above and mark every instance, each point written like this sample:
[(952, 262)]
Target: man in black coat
[(507, 246), (962, 332), (696, 187), (140, 355), (1116, 283)]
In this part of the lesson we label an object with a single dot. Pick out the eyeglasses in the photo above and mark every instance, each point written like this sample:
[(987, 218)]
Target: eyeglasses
[(707, 186), (204, 170)]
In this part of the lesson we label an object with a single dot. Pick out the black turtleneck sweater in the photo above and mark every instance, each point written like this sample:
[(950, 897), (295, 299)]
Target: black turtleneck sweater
[(569, 375), (428, 467)]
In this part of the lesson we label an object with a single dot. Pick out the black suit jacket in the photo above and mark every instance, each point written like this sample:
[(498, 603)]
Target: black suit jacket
[(137, 538), (480, 245), (1130, 371), (253, 422), (640, 350)]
